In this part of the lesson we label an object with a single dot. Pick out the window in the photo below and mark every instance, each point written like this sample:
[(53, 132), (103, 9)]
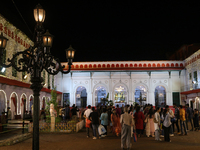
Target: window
[(3, 71), (190, 76), (195, 76)]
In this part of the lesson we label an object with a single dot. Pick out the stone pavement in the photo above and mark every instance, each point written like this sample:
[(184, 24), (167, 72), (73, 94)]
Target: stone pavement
[(78, 141)]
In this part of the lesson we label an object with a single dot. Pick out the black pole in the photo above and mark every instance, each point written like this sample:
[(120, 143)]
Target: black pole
[(24, 115), (36, 87)]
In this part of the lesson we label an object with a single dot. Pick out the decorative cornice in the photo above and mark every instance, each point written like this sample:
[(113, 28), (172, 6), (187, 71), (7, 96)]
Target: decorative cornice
[(11, 82), (127, 65)]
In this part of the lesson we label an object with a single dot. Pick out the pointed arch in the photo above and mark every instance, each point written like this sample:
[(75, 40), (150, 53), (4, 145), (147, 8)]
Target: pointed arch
[(126, 94), (30, 100), (22, 102), (140, 84), (161, 84), (5, 101), (100, 84), (15, 102)]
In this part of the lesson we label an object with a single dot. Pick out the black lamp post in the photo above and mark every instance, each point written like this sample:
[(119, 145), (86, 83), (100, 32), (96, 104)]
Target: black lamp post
[(24, 115), (33, 60)]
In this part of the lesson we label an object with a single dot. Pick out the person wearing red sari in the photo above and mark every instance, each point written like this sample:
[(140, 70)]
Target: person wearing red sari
[(139, 119), (116, 126)]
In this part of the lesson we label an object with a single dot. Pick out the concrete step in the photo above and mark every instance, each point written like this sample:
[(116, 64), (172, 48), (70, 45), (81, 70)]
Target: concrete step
[(16, 126), (18, 121)]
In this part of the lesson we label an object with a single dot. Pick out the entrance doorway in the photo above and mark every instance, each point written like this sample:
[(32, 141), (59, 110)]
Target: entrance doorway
[(2, 102), (31, 104), (140, 95), (120, 95), (81, 97), (23, 97), (160, 96), (100, 94), (15, 106)]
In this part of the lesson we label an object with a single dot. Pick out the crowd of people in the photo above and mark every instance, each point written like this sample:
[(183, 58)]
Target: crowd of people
[(145, 120)]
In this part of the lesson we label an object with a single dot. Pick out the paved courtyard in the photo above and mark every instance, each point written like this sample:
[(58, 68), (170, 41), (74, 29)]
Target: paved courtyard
[(78, 141)]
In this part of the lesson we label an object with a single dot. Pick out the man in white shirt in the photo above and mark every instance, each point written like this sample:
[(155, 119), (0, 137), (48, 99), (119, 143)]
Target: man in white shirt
[(86, 115), (126, 121)]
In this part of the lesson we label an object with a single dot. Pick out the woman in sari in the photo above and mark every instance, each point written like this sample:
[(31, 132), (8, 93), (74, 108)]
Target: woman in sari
[(139, 118), (116, 126), (150, 129)]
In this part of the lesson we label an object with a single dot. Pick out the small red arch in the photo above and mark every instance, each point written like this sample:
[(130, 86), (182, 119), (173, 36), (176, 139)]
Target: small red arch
[(77, 66), (163, 65), (172, 65), (117, 65), (131, 65), (94, 66), (108, 65), (81, 66), (140, 65), (167, 65), (99, 65), (158, 65), (181, 65), (112, 65), (154, 65), (122, 65), (135, 65), (90, 66), (85, 66), (72, 66), (126, 65), (176, 64), (149, 65), (103, 66), (144, 65)]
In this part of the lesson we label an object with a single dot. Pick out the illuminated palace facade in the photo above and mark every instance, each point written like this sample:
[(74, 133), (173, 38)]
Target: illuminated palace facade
[(155, 82), (15, 86)]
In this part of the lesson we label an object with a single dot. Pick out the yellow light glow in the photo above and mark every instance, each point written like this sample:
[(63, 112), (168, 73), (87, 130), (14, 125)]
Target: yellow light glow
[(40, 17)]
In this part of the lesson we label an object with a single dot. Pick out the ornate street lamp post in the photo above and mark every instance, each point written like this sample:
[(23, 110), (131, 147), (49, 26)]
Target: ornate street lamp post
[(33, 60), (24, 115)]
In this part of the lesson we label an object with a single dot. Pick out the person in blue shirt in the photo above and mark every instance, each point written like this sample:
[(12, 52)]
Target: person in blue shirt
[(104, 120)]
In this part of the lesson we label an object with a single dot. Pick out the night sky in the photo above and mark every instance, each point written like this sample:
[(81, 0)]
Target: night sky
[(113, 31)]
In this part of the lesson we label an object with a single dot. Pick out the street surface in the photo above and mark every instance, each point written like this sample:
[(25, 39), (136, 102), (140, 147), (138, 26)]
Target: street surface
[(78, 141)]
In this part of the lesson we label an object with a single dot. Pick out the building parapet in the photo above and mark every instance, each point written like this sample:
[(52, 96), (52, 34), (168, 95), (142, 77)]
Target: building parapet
[(128, 65)]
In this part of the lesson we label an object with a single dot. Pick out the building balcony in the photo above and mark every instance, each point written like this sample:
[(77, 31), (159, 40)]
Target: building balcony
[(190, 87)]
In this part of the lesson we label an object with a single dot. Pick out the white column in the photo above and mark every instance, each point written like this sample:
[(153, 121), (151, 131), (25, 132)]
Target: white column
[(89, 99), (110, 90), (151, 98), (147, 98), (133, 97), (72, 98), (169, 98), (130, 93)]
